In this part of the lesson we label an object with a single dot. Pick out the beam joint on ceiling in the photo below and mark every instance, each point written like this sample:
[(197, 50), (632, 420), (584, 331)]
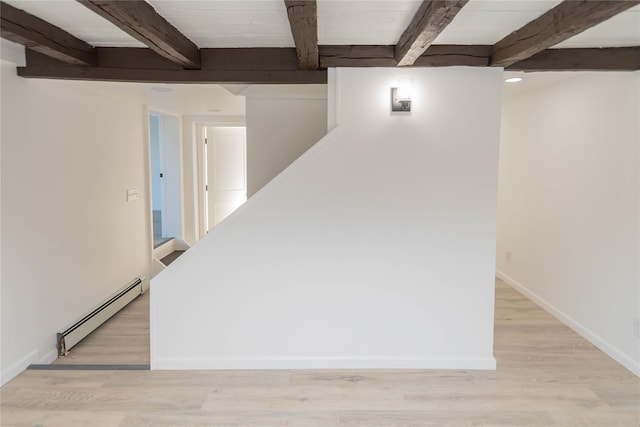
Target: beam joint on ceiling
[(432, 17), (303, 20), (32, 32), (567, 19), (141, 21)]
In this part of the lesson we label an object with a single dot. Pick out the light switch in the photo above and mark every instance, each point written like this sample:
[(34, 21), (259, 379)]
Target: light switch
[(133, 194)]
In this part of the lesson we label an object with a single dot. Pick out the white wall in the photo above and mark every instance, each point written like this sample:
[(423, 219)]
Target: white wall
[(569, 203), (282, 123), (375, 249), (70, 151)]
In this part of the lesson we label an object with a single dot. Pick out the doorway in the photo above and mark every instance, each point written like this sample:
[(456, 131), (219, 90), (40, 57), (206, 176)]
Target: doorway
[(225, 172), (166, 183)]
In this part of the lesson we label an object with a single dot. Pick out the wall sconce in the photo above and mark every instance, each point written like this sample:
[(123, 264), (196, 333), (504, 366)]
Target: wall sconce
[(400, 99)]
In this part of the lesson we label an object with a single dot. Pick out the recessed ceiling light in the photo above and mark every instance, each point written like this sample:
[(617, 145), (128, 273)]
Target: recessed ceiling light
[(513, 80), (162, 89)]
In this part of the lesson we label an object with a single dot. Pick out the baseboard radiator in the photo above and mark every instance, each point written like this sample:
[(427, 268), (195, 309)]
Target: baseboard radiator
[(79, 329)]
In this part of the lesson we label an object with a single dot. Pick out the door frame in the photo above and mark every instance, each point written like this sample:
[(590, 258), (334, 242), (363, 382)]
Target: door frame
[(163, 196), (148, 111), (211, 187), (198, 124)]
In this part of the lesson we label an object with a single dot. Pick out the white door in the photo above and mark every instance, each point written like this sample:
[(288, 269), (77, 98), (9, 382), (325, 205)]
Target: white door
[(226, 172)]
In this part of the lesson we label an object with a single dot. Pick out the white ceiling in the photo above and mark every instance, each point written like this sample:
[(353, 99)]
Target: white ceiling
[(263, 23), (487, 22), (621, 30), (78, 20), (229, 23), (364, 22)]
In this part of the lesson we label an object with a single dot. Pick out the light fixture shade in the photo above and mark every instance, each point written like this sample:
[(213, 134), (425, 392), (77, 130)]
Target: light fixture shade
[(400, 99)]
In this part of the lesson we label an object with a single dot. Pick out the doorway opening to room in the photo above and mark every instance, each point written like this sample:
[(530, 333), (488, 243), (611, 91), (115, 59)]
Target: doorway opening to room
[(164, 142), (224, 173)]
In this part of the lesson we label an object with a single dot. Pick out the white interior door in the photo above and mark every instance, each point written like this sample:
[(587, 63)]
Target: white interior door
[(226, 172)]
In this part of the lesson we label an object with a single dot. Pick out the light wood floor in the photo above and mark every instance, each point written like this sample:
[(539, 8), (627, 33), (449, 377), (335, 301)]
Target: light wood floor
[(547, 376), (123, 339)]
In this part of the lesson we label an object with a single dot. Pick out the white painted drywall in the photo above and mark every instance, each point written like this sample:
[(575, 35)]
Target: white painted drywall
[(376, 248), (282, 123), (70, 151), (568, 204)]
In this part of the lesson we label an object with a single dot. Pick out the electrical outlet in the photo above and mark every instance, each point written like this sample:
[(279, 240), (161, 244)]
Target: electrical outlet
[(508, 256), (636, 327)]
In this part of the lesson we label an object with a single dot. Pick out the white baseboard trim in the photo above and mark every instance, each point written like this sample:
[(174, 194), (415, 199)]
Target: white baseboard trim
[(32, 358), (589, 335), (321, 363), (17, 368)]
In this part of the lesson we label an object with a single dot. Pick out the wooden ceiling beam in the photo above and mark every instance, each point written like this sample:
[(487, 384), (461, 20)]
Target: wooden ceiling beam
[(357, 56), (279, 65), (235, 65), (383, 56), (140, 20), (32, 32), (303, 19), (432, 17), (583, 59), (567, 19), (175, 76), (454, 55)]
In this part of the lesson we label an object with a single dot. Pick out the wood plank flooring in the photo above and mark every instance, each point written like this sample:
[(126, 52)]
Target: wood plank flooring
[(123, 339), (547, 376), (171, 257)]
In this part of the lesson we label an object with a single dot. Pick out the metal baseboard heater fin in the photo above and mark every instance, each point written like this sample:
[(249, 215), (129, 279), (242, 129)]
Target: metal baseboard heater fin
[(89, 322)]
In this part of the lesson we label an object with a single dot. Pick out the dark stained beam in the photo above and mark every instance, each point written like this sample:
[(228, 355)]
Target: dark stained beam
[(243, 59), (454, 55), (606, 59), (140, 20), (567, 19), (432, 17), (230, 59), (274, 59), (383, 56), (357, 56), (242, 66), (130, 57), (32, 32), (174, 76), (303, 19), (279, 65)]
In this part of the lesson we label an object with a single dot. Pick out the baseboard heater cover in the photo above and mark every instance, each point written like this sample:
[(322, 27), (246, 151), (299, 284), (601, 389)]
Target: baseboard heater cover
[(79, 329)]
